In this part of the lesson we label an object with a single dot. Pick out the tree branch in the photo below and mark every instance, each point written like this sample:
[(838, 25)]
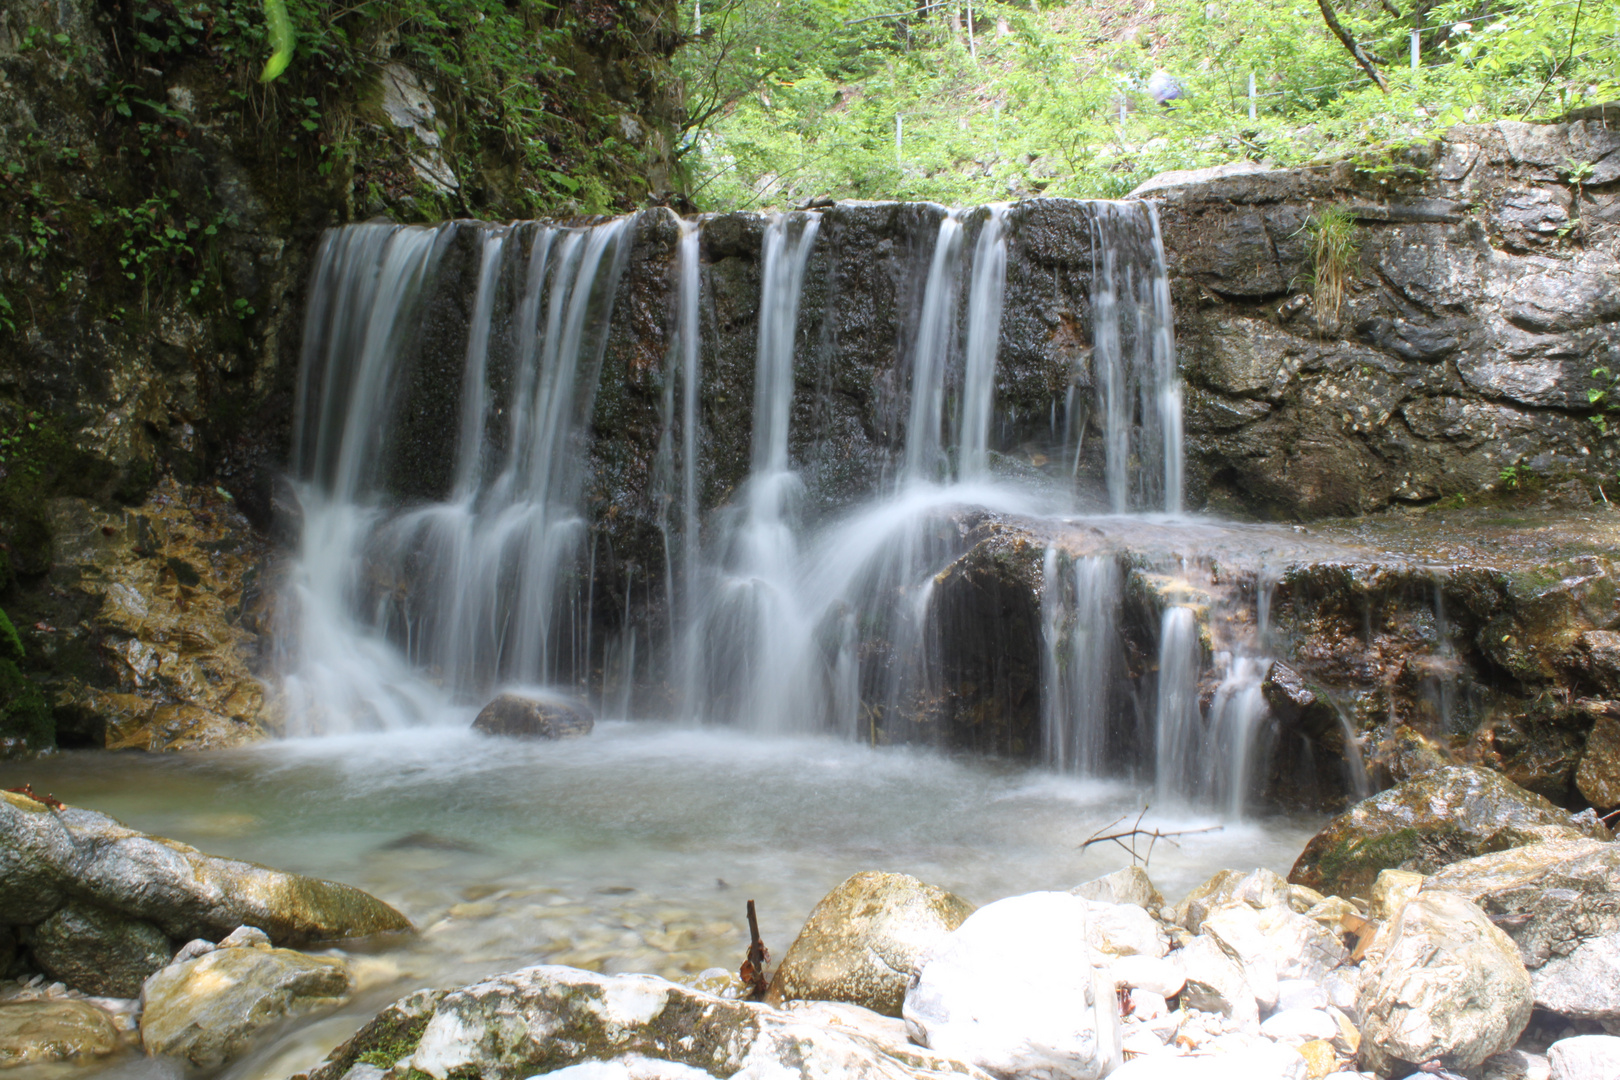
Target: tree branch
[(1349, 43)]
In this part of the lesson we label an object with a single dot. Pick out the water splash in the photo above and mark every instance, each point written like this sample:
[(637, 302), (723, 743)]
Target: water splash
[(398, 612)]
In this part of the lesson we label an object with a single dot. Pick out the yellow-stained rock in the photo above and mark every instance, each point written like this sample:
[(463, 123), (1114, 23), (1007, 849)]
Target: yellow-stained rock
[(174, 621), (1320, 1058), (864, 940), (39, 1031), (207, 1010)]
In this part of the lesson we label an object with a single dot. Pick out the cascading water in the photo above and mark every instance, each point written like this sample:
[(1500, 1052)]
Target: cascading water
[(779, 622), (757, 667), (397, 613), (1134, 360)]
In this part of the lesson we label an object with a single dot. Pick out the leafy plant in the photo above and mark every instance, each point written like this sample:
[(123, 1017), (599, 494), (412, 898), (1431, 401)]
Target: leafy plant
[(1335, 247)]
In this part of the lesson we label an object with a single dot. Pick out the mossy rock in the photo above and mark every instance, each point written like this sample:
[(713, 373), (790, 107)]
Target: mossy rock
[(1443, 817)]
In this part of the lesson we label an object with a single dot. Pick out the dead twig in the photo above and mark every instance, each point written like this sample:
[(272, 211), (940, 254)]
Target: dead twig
[(1136, 830), (27, 792), (753, 969)]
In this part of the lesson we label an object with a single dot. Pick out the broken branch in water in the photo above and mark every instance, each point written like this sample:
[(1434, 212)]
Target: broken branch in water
[(27, 791), (1136, 830), (753, 969)]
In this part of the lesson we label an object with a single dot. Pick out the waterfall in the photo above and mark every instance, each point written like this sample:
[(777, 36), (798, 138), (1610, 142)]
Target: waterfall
[(1134, 360), (931, 355), (984, 336), (397, 612), (758, 669), (1178, 723), (1080, 602), (444, 401)]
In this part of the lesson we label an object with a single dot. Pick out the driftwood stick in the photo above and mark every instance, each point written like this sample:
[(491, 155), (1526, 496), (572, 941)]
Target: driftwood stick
[(1101, 836), (1331, 17), (753, 969)]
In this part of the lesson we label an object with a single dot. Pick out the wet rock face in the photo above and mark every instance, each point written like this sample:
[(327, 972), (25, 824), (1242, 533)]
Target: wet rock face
[(1452, 814), (864, 940), (37, 1032), (1474, 317)]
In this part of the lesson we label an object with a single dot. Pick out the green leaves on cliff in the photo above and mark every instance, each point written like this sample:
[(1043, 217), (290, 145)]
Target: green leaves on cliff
[(281, 39)]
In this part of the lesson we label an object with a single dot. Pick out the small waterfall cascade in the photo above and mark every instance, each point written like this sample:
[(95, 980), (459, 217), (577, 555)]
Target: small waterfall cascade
[(985, 295), (931, 356), (1080, 616), (399, 612), (756, 636), (1134, 361), (441, 456)]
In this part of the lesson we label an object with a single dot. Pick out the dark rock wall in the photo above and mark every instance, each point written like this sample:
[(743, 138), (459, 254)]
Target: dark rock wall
[(1483, 298)]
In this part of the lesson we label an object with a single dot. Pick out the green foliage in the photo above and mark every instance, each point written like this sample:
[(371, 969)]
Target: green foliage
[(802, 100), (1335, 246), (11, 646), (281, 40)]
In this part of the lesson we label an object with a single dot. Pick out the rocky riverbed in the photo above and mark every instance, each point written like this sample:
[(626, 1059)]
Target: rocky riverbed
[(1453, 923)]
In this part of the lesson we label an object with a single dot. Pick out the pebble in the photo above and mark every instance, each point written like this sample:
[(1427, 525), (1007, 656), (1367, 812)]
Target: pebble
[(1300, 1025)]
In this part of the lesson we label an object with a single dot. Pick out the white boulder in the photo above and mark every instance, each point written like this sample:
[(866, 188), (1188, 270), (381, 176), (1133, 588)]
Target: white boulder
[(1585, 1057), (1013, 991), (1215, 982)]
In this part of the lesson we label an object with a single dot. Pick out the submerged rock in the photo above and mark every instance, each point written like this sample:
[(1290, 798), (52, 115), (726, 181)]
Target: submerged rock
[(1560, 903), (534, 718), (33, 1032), (1444, 817), (1441, 982), (1014, 991), (49, 857), (207, 1010), (543, 1019), (864, 941), (97, 951)]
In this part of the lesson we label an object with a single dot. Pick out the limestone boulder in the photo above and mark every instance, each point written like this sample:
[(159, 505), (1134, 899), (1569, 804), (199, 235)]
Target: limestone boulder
[(1272, 944), (1123, 930), (864, 941), (1560, 903), (1440, 981), (541, 1020), (1255, 1062), (1446, 816), (1128, 886), (97, 951), (519, 717), (1215, 983), (36, 1032), (208, 1010), (48, 857), (1585, 1057), (1258, 889), (1014, 991)]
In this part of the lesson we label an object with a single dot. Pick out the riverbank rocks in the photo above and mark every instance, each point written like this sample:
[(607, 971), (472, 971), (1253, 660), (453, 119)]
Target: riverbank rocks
[(1560, 903), (519, 717), (35, 1032), (1444, 817), (864, 940), (1128, 886), (1585, 1057), (1013, 991), (207, 1010), (1441, 982), (100, 905), (543, 1019), (96, 951)]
